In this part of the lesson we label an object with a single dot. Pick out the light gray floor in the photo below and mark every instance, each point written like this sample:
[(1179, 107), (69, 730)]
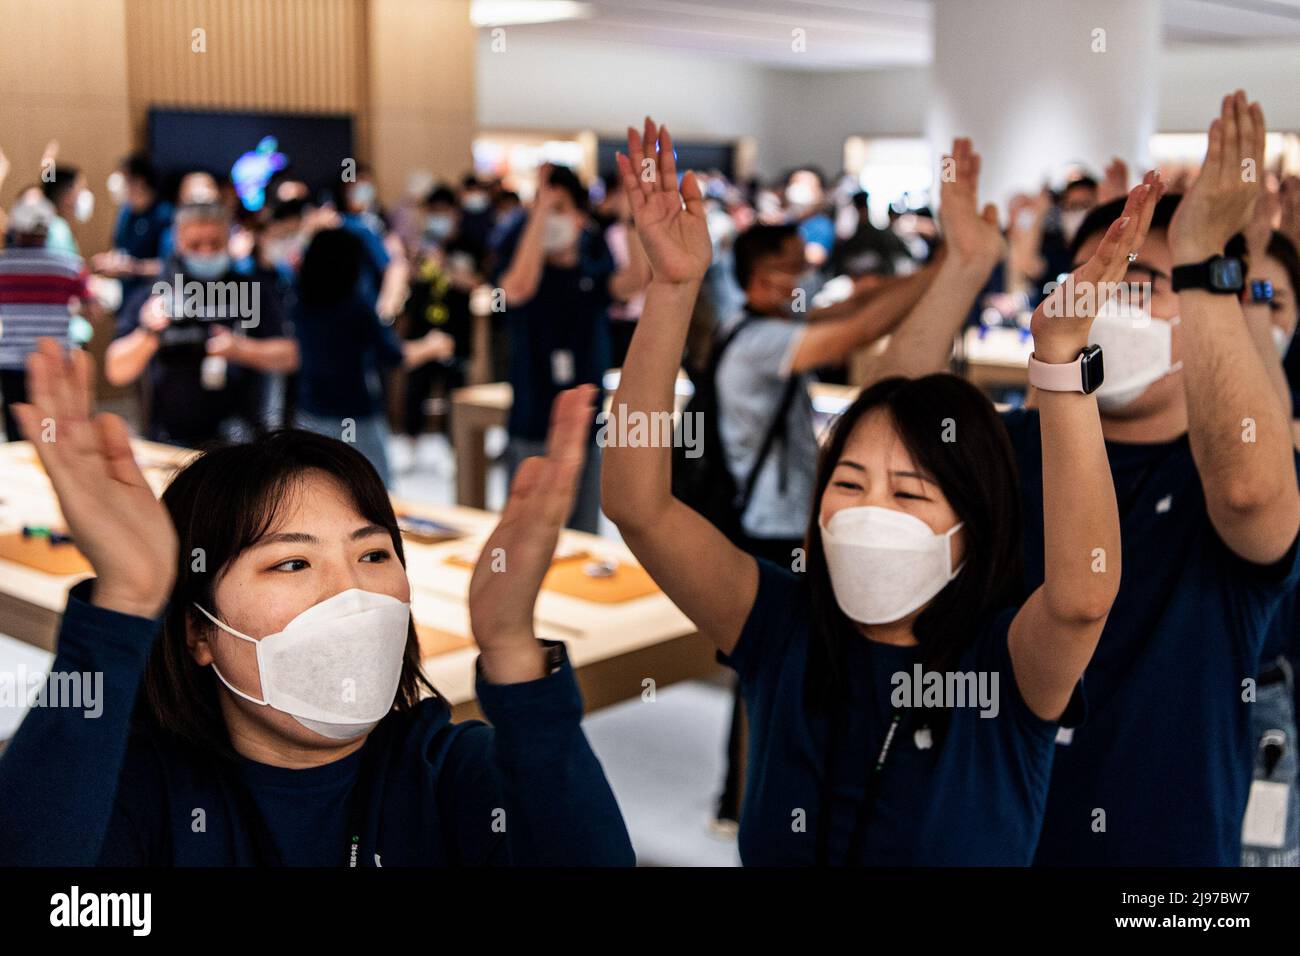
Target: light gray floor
[(664, 759)]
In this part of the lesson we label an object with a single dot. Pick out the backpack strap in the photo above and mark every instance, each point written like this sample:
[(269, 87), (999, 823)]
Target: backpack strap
[(775, 429)]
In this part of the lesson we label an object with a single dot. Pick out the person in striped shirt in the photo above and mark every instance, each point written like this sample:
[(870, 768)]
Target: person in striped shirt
[(41, 291)]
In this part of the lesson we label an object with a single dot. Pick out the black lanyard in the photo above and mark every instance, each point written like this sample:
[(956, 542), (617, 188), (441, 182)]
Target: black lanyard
[(872, 786)]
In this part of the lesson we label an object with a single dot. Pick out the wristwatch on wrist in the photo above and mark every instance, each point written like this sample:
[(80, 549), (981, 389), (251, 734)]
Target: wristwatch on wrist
[(1261, 291), (1219, 274), (1084, 374)]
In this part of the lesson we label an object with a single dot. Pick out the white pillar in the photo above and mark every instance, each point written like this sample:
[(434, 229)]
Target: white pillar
[(1043, 83)]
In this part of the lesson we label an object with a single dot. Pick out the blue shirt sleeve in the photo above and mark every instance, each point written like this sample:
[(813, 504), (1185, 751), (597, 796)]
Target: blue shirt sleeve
[(59, 776), (529, 790), (780, 610)]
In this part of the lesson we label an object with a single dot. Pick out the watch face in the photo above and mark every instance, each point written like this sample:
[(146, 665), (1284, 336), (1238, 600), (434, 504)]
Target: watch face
[(1225, 274), (1261, 290), (1091, 370)]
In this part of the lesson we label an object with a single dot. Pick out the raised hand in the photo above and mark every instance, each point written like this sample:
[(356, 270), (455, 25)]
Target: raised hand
[(1259, 230), (1115, 183), (1222, 200), (972, 235), (117, 523), (670, 223), (517, 555), (1061, 322), (1289, 197)]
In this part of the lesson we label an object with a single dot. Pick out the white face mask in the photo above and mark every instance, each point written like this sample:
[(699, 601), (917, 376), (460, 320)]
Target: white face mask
[(1071, 220), (335, 667), (559, 233), (884, 564), (1137, 351), (84, 206), (1282, 340)]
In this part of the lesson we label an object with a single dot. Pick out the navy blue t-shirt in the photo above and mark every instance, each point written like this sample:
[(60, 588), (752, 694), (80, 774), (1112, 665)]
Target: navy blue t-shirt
[(342, 349), (563, 328), (974, 799), (1160, 774)]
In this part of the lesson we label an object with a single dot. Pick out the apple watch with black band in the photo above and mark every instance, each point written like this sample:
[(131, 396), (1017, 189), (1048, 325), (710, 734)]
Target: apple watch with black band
[(1218, 274)]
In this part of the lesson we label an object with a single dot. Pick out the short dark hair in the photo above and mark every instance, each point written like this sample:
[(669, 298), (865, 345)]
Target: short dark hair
[(223, 502), (1100, 217), (138, 166), (283, 209), (562, 177), (440, 196), (58, 186), (331, 267), (757, 243)]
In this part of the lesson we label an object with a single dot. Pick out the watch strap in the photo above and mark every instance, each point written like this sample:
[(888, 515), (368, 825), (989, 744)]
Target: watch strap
[(1056, 377)]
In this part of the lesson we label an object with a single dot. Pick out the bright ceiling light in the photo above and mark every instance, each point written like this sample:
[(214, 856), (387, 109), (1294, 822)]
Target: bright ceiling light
[(495, 13)]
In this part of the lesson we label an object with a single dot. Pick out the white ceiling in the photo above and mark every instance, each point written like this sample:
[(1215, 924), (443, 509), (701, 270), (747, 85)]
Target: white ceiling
[(863, 34)]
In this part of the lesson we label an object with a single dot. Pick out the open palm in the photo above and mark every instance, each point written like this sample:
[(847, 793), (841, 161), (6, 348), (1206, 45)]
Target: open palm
[(972, 234), (670, 223), (117, 523)]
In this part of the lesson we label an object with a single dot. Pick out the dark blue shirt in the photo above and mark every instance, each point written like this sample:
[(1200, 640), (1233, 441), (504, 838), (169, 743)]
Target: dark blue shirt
[(563, 328), (78, 792), (976, 798), (343, 349), (140, 234), (1167, 752), (375, 258)]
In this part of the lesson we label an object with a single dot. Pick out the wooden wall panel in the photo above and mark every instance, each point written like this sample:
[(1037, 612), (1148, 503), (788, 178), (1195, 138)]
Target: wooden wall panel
[(63, 76), (291, 55)]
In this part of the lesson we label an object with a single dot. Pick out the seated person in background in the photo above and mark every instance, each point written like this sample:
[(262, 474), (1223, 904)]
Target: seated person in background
[(222, 678), (198, 334), (346, 349), (38, 288), (843, 769)]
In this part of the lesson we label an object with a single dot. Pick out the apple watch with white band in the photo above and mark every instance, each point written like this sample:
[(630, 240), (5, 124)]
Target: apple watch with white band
[(1084, 374)]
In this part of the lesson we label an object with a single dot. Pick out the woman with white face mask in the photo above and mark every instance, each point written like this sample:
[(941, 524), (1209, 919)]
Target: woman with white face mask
[(261, 664), (903, 703)]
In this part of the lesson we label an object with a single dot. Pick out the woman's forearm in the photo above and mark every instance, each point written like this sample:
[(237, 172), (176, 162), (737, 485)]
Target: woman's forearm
[(636, 483)]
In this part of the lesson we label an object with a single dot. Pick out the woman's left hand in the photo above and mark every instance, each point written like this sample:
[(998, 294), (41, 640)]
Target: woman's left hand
[(517, 555)]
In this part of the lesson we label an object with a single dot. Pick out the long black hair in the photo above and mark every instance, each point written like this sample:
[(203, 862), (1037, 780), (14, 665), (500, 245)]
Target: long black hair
[(221, 503), (331, 268), (954, 435)]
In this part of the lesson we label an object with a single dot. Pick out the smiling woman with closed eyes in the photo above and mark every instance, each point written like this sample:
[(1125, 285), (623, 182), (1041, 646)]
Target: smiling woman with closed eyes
[(262, 696), (913, 573)]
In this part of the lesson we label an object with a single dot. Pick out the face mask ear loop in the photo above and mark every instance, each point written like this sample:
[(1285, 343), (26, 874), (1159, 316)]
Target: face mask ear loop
[(229, 630), (947, 540)]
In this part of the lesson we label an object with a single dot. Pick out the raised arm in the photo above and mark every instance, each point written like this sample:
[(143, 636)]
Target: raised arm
[(1239, 432), (923, 341), (709, 578), (521, 278), (1054, 635), (838, 330), (59, 775)]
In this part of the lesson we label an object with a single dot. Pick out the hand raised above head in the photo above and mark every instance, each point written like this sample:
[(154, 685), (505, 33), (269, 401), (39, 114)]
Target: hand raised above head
[(1061, 322), (115, 519), (670, 222), (972, 234), (1222, 200)]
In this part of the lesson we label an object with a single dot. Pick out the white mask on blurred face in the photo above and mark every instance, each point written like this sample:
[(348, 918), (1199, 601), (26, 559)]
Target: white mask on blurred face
[(1071, 220), (885, 564), (84, 206), (559, 232), (1282, 340), (1137, 351)]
